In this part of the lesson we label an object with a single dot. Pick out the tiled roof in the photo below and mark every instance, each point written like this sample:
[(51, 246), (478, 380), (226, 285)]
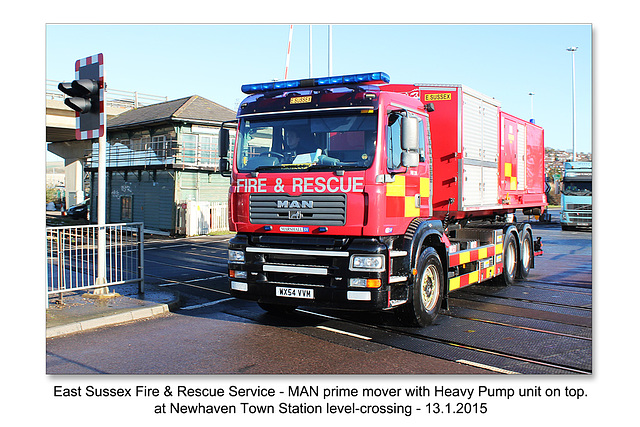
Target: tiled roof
[(195, 109)]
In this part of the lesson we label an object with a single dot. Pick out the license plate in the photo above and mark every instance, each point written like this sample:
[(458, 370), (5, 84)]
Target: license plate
[(294, 292)]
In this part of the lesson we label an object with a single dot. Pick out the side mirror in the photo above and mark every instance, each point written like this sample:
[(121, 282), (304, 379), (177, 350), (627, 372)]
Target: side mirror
[(223, 150), (410, 142), (409, 139), (410, 159)]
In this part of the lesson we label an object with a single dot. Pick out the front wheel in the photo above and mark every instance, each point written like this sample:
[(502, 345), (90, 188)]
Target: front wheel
[(426, 293)]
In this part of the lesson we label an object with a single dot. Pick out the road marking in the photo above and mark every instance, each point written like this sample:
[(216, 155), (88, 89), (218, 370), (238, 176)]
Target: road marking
[(318, 314), (202, 279), (338, 331), (206, 304), (166, 264), (489, 367)]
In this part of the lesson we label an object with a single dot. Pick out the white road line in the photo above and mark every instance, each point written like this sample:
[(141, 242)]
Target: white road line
[(206, 304), (489, 367), (338, 331)]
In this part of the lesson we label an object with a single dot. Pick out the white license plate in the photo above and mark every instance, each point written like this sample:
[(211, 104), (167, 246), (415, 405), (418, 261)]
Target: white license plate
[(294, 292)]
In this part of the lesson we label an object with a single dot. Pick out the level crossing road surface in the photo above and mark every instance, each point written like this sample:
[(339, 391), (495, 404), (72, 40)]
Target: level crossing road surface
[(541, 325)]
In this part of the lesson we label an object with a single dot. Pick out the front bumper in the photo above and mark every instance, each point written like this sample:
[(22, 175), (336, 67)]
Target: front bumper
[(309, 271)]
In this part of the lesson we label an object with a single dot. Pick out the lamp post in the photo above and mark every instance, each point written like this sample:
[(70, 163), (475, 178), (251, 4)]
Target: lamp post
[(330, 48), (573, 92), (532, 120), (310, 51)]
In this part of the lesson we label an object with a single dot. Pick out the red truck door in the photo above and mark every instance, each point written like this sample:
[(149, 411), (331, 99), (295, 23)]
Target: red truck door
[(509, 157)]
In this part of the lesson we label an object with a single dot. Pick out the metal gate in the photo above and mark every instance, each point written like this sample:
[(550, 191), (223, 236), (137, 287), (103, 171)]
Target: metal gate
[(72, 257)]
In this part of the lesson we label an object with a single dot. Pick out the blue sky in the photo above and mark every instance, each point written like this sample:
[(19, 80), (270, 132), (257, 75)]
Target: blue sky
[(506, 62)]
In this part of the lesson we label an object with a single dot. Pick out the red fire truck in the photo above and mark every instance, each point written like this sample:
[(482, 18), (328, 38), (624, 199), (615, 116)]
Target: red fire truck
[(349, 192)]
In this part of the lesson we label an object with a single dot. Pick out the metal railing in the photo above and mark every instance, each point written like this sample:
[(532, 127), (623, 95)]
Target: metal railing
[(146, 153), (113, 97), (72, 257)]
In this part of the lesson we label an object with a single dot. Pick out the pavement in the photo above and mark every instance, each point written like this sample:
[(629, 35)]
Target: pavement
[(82, 311)]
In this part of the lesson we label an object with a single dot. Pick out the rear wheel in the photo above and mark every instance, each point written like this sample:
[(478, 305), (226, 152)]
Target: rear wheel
[(526, 258), (427, 292), (509, 260)]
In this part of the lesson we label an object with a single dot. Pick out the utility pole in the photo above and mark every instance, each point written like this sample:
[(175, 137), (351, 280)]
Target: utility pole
[(573, 93), (310, 51), (286, 67), (86, 98), (330, 43)]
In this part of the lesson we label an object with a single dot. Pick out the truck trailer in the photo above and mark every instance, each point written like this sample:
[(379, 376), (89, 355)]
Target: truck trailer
[(350, 192)]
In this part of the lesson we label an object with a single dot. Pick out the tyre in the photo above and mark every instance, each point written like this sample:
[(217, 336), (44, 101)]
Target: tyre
[(526, 256), (509, 260), (426, 293)]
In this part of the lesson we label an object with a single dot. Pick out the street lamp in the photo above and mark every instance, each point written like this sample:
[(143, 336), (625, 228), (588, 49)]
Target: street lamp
[(573, 92), (532, 120)]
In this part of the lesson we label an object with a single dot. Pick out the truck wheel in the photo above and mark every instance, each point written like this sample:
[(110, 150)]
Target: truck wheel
[(526, 258), (426, 293), (509, 260), (277, 308)]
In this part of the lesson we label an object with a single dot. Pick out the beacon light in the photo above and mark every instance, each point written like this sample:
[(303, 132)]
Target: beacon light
[(319, 81)]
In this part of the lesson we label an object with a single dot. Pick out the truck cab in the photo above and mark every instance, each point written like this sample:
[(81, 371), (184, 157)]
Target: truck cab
[(576, 195)]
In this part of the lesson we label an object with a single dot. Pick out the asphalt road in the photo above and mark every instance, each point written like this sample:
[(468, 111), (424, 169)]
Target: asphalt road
[(541, 325)]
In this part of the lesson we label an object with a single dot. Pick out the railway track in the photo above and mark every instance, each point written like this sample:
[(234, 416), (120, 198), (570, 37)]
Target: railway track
[(525, 344)]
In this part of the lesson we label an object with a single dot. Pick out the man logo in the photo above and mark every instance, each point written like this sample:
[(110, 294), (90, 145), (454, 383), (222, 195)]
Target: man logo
[(295, 204)]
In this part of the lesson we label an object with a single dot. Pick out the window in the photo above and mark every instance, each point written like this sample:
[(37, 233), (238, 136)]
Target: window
[(423, 150), (394, 150), (158, 144), (394, 147), (208, 149), (126, 208), (321, 141), (189, 148)]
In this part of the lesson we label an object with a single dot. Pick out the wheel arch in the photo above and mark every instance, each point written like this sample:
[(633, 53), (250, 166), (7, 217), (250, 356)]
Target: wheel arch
[(420, 235)]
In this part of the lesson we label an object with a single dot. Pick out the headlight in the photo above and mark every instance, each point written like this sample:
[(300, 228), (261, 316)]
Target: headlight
[(367, 263), (236, 256)]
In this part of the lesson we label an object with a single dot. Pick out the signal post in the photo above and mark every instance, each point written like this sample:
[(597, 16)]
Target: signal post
[(86, 98)]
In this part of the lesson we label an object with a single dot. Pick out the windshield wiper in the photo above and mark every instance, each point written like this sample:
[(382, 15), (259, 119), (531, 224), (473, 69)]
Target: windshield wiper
[(318, 166), (265, 167)]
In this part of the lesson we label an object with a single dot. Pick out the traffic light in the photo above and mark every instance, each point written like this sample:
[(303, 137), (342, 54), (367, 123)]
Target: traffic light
[(87, 97)]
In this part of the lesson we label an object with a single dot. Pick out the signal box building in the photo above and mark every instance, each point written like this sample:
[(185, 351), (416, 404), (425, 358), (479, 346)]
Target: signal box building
[(161, 163)]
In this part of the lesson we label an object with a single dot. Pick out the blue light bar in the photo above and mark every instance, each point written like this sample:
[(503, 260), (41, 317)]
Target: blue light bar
[(319, 81)]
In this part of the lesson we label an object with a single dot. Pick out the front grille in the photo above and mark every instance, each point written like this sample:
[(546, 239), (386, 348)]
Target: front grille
[(305, 209), (578, 206), (297, 266)]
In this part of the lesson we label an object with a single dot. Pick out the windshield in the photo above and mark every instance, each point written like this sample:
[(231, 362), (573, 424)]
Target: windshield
[(293, 142), (577, 188)]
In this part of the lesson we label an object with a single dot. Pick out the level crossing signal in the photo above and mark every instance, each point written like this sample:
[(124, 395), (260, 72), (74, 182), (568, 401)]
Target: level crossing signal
[(86, 97)]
